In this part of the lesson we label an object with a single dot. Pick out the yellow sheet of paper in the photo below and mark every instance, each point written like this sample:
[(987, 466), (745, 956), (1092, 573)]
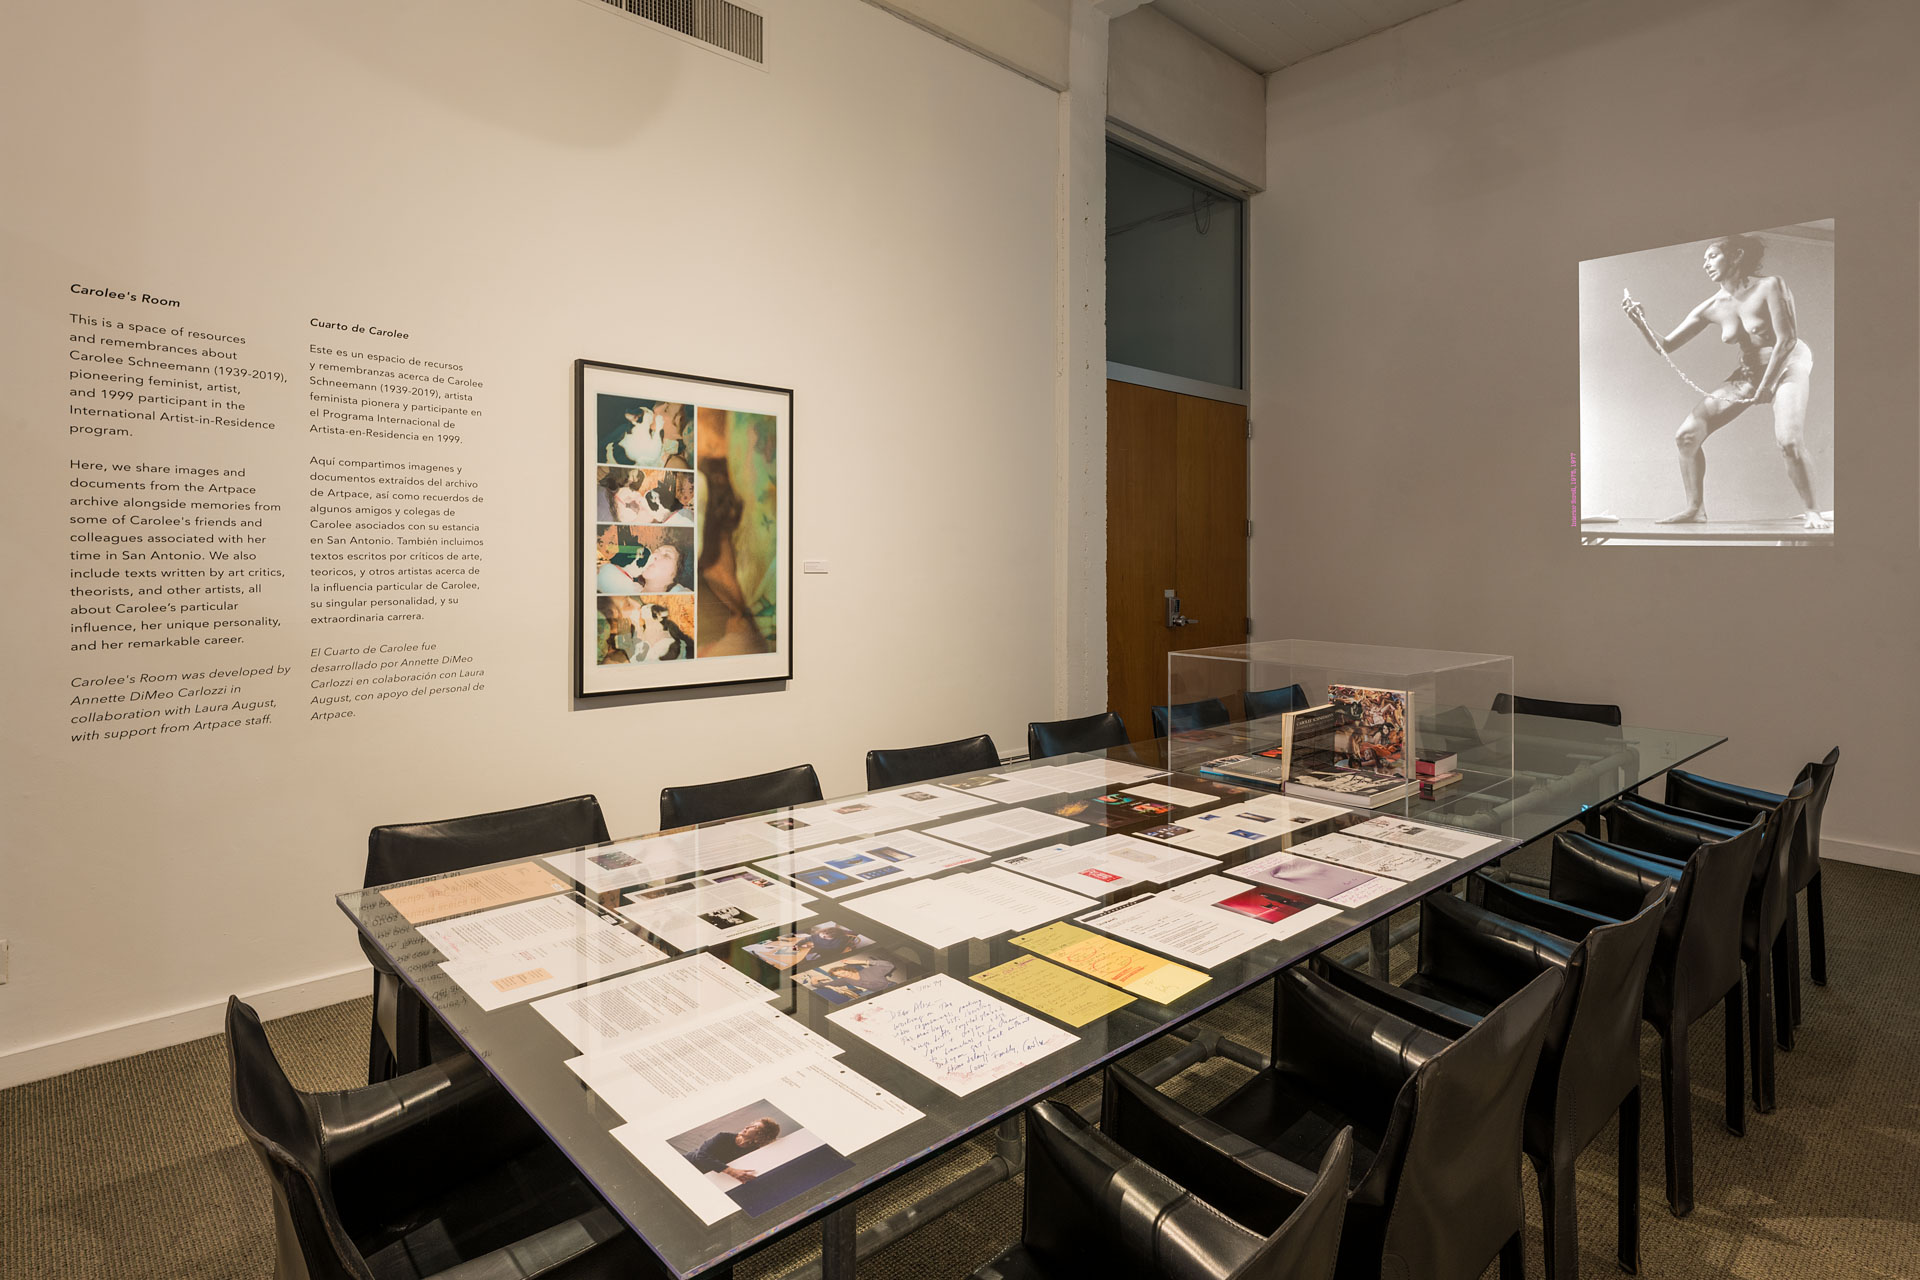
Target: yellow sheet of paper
[(456, 895), (1141, 972), (1056, 992)]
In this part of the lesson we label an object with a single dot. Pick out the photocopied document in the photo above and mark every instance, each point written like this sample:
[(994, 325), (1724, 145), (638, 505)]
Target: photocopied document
[(1288, 811), (553, 963), (1106, 865), (690, 914), (1197, 935), (1008, 788), (968, 904), (1213, 834), (1445, 841), (862, 815), (501, 929), (853, 865), (1100, 774), (472, 891), (1181, 796), (1005, 829), (650, 1073), (927, 800), (1342, 886), (650, 1002), (1284, 914), (623, 864), (1371, 856), (1061, 994), (1141, 972), (959, 1038)]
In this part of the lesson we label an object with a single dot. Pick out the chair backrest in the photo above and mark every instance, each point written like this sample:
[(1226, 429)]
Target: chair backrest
[(1455, 1197), (1086, 733), (1605, 713), (1308, 1243), (899, 766), (716, 801), (406, 851), (1806, 845), (1704, 920), (1773, 872), (1591, 1059), (1271, 702), (283, 1130), (1182, 716)]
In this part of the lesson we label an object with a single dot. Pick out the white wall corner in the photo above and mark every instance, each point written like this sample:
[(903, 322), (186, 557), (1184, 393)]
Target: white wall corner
[(1080, 386)]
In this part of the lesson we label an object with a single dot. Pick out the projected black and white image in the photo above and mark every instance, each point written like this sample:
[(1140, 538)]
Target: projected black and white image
[(1676, 448)]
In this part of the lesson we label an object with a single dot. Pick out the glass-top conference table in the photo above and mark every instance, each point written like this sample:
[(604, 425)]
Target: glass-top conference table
[(734, 1029)]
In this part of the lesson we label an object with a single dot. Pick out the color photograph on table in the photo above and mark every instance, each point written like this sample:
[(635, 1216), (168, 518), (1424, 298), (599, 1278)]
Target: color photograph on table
[(684, 490), (862, 974), (824, 941), (758, 1156), (1270, 905)]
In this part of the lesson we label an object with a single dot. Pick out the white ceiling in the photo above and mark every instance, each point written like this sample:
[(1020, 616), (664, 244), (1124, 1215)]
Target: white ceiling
[(1269, 34)]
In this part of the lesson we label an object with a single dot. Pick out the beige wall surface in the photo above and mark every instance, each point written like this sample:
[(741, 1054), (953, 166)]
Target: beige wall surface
[(1433, 192), (1031, 36), (870, 221), (1169, 87)]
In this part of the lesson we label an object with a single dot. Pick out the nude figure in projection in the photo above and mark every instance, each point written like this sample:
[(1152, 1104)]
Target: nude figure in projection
[(1755, 314)]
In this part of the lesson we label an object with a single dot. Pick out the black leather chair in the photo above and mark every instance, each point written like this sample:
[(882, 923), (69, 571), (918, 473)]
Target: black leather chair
[(1705, 795), (718, 801), (1086, 733), (1663, 832), (1605, 713), (434, 1173), (1182, 716), (900, 766), (1473, 958), (1435, 1188), (1092, 1209), (1696, 963), (1271, 702), (405, 1033)]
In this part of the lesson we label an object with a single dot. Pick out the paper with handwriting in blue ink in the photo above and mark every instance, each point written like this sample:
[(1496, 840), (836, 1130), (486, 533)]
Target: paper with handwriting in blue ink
[(959, 1038)]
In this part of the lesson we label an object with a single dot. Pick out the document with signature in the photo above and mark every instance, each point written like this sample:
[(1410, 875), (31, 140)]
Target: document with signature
[(595, 947), (651, 1002), (1371, 856), (957, 1037), (1444, 841)]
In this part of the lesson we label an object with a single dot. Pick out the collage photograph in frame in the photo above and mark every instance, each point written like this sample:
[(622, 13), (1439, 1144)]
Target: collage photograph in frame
[(1706, 393), (683, 530)]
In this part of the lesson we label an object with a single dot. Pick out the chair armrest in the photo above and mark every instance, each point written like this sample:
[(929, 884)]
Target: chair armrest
[(1636, 826), (589, 1247), (1724, 800), (1345, 1050), (1561, 919), (1423, 1011), (1480, 950), (1603, 878), (1248, 1183)]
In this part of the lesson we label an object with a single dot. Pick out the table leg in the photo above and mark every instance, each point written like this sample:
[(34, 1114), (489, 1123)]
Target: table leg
[(1379, 943), (837, 1258)]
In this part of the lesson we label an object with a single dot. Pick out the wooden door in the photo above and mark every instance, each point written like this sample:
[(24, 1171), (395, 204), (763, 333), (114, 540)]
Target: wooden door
[(1176, 518)]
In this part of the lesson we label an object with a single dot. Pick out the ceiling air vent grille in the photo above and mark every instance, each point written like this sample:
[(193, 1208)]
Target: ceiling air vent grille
[(720, 23)]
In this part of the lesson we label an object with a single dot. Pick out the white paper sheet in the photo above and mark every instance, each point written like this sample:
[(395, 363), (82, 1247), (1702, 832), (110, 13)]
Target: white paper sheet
[(870, 862), (960, 1038), (1218, 893), (969, 904), (1088, 775), (1181, 796), (926, 801), (1008, 788), (691, 914), (862, 815), (560, 961), (1341, 886), (508, 928), (1200, 936), (649, 1003), (1005, 829), (625, 863), (1211, 833), (1371, 856), (1290, 811), (1445, 841), (1106, 865)]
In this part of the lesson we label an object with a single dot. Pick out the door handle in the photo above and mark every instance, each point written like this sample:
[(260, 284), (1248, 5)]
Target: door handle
[(1175, 618)]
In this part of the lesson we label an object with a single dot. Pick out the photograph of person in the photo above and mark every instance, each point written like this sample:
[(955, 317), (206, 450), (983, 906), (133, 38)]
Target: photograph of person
[(858, 976), (646, 629), (738, 501), (641, 433), (759, 1155), (644, 560), (824, 941), (629, 495), (1651, 406)]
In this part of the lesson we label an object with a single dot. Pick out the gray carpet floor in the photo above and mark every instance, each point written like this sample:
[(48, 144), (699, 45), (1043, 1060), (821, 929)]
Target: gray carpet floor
[(135, 1168)]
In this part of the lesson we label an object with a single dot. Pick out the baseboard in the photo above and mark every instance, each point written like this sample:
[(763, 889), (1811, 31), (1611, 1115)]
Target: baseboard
[(109, 1044), (1870, 855)]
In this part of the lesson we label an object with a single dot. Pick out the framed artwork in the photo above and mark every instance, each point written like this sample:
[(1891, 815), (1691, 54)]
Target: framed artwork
[(683, 530)]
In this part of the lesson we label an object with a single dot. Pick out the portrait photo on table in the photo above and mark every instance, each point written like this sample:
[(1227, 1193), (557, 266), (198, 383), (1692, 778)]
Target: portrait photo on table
[(759, 1156), (643, 433), (645, 628), (643, 560), (824, 941), (1707, 392), (739, 506), (862, 974), (630, 495)]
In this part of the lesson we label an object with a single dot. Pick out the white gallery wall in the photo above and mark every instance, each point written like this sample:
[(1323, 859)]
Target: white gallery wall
[(1416, 258), (869, 220)]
